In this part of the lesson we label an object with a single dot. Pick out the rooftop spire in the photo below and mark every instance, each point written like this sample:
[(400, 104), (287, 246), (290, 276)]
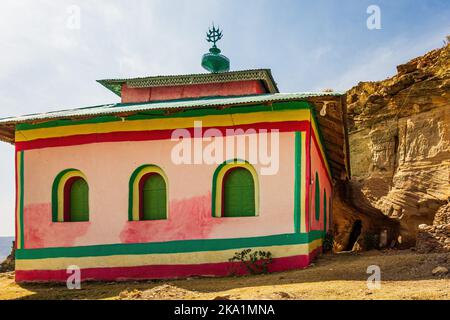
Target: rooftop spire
[(213, 61)]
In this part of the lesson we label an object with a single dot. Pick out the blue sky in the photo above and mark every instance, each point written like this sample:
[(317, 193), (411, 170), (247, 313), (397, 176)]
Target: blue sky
[(309, 45)]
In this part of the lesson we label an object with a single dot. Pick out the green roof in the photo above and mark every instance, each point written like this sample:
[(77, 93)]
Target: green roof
[(118, 108), (264, 75)]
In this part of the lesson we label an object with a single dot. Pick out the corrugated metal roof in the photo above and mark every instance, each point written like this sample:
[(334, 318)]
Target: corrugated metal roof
[(333, 125), (264, 75), (111, 109)]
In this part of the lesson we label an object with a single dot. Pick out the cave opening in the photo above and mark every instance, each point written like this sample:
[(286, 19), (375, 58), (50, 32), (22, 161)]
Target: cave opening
[(354, 234)]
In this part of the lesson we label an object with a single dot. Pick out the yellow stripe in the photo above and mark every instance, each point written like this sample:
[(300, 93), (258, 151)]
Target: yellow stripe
[(136, 195), (219, 181), (314, 245), (162, 124), (158, 259), (62, 183)]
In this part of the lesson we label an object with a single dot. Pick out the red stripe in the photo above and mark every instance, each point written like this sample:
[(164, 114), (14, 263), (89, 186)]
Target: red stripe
[(67, 201), (163, 271), (286, 126)]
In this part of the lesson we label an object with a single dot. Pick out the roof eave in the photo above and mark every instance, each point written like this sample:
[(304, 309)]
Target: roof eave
[(112, 86), (264, 75)]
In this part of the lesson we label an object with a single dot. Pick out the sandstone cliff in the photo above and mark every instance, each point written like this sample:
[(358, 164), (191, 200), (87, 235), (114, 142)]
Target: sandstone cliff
[(399, 136)]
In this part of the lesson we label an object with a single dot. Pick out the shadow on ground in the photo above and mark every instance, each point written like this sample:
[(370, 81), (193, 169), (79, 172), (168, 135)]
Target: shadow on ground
[(395, 266)]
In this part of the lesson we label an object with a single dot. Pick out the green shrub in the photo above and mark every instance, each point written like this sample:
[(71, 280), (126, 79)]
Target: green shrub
[(256, 262)]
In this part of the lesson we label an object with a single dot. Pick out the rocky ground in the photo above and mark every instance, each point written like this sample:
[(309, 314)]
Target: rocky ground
[(435, 237), (404, 275)]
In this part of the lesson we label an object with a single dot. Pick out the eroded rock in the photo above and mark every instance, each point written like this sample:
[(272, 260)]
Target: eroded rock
[(399, 136)]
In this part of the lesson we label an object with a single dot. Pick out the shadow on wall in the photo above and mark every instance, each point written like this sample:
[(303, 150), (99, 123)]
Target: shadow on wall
[(357, 230)]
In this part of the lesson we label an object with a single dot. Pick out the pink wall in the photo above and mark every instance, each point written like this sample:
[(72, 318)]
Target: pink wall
[(108, 167), (324, 182), (234, 88)]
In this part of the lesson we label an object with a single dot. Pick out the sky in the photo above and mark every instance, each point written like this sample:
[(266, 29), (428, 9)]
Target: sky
[(53, 51)]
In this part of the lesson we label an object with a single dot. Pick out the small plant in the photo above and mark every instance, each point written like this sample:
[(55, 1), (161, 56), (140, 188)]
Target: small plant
[(370, 241), (328, 241), (447, 40), (256, 262)]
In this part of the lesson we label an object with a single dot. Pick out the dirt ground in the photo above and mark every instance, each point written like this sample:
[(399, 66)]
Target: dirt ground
[(404, 275)]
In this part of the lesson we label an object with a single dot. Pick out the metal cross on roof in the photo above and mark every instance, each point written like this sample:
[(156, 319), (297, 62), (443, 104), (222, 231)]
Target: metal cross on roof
[(213, 61), (213, 35)]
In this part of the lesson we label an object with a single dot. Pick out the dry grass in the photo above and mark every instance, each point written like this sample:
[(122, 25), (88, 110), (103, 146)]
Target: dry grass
[(405, 275)]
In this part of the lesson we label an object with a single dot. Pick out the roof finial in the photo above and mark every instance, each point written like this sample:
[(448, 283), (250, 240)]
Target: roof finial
[(214, 61), (213, 35)]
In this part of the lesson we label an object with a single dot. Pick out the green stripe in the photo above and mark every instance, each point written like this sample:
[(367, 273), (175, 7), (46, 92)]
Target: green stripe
[(22, 157), (160, 114), (179, 246), (297, 185)]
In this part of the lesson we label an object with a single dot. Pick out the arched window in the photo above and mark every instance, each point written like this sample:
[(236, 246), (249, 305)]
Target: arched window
[(77, 205), (70, 197), (325, 210), (148, 196), (317, 197), (235, 190), (238, 193), (153, 197)]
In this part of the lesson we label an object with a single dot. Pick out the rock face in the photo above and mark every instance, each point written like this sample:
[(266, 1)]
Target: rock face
[(9, 263), (399, 134)]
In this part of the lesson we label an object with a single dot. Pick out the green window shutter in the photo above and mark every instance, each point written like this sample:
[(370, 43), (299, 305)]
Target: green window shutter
[(317, 197), (325, 210), (154, 198), (79, 201), (238, 193)]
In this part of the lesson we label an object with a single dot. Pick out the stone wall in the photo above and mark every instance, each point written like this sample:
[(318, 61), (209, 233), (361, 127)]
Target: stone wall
[(435, 237)]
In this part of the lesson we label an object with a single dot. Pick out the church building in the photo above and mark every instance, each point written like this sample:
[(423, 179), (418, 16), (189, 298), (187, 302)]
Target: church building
[(181, 174)]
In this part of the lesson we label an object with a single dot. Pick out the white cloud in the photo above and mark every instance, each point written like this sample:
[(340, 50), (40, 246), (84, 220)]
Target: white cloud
[(379, 64)]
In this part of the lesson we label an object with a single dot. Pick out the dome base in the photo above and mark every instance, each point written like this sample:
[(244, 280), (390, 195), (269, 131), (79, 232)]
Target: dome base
[(215, 63)]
